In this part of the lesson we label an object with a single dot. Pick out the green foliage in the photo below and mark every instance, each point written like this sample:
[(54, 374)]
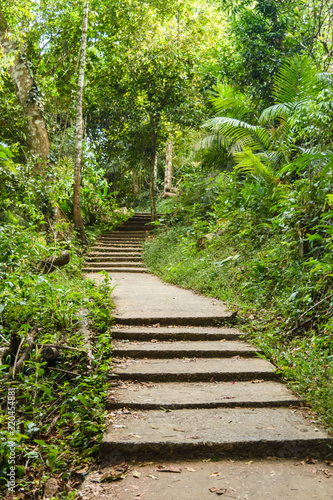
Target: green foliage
[(55, 304)]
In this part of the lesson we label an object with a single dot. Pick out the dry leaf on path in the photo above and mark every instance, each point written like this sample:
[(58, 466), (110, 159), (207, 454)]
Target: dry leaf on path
[(218, 491), (51, 487), (162, 468), (190, 469), (136, 474), (214, 474)]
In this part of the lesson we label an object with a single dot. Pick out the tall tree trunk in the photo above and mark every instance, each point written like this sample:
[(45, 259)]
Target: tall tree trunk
[(155, 166), (136, 188), (77, 216), (152, 158), (168, 169), (28, 95)]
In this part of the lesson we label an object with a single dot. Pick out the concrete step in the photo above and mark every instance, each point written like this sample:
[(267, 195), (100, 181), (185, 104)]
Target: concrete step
[(173, 396), (116, 247), (89, 269), (114, 258), (97, 255), (187, 349), (113, 264), (176, 320), (137, 235), (125, 239), (229, 432), (135, 227), (173, 333), (271, 479), (196, 369)]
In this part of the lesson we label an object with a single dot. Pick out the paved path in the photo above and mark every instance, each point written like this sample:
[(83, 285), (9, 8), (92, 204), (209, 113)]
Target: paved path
[(189, 389)]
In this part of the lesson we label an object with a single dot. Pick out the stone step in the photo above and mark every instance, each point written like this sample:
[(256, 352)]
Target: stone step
[(131, 253), (173, 396), (89, 269), (140, 333), (176, 320), (116, 247), (119, 239), (271, 479), (229, 432), (191, 370), (114, 258), (134, 227), (187, 349), (120, 234), (111, 265)]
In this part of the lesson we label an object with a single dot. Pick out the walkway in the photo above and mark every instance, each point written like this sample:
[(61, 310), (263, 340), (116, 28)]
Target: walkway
[(195, 411)]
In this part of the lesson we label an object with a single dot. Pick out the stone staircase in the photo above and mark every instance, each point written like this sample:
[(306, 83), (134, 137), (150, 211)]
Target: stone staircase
[(189, 389), (195, 392), (120, 250)]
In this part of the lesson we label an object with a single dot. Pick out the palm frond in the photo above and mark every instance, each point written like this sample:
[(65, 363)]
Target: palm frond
[(238, 130), (213, 140), (249, 163), (280, 110), (297, 77), (226, 99)]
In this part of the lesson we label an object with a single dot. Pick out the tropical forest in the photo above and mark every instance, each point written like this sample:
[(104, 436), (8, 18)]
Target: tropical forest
[(212, 117)]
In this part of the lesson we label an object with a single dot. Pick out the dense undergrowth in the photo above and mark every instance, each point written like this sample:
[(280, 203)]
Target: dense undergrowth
[(54, 428), (234, 247)]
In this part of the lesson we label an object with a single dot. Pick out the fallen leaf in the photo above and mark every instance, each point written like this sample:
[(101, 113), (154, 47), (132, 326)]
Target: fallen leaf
[(108, 477), (143, 464), (257, 381), (214, 474), (157, 325), (310, 460), (50, 488), (135, 436), (162, 468), (218, 491), (193, 437), (179, 430), (151, 476), (82, 471), (136, 474), (327, 473), (114, 474), (154, 341), (249, 462), (190, 469)]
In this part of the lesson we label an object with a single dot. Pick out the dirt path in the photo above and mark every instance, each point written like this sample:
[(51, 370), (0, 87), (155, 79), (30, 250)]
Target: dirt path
[(194, 413)]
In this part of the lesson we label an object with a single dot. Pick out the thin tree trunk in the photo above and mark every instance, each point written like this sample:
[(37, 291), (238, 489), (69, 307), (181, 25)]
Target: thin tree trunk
[(136, 189), (152, 159), (152, 192), (77, 216), (28, 95), (155, 166), (168, 169)]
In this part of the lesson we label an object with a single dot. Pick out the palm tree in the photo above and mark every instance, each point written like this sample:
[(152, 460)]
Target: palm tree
[(263, 149)]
